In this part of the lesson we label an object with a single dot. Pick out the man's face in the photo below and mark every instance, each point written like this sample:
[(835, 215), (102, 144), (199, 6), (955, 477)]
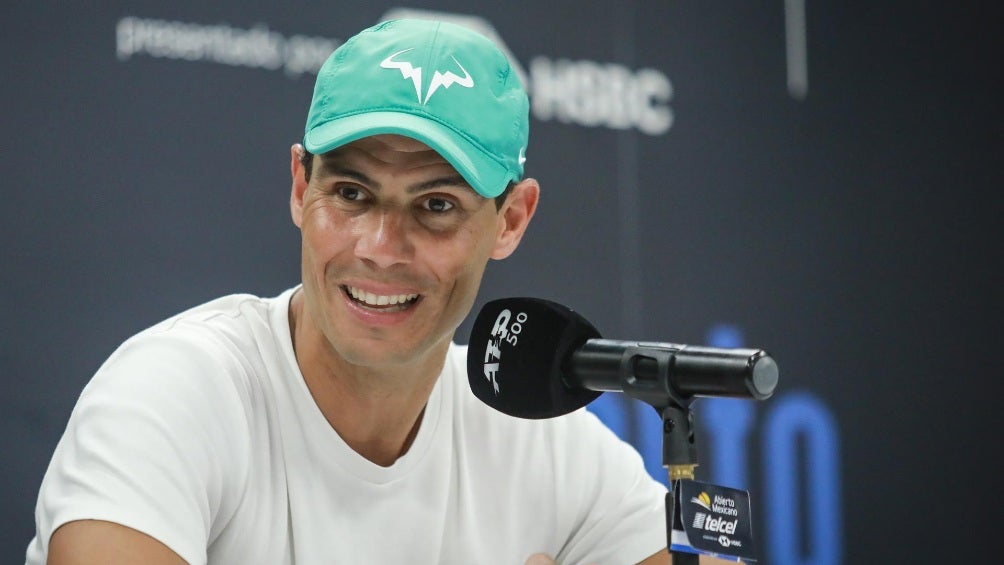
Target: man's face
[(394, 246)]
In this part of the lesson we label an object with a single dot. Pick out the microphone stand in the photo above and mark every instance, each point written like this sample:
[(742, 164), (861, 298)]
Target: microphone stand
[(650, 381), (645, 372), (679, 457), (582, 366)]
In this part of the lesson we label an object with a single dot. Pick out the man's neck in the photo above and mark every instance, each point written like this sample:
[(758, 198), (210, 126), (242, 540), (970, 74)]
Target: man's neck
[(377, 423), (376, 411)]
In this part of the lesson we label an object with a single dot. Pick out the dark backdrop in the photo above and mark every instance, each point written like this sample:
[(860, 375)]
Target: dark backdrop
[(817, 179)]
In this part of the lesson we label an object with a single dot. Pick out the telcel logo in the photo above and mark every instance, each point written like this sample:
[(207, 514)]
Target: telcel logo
[(721, 525)]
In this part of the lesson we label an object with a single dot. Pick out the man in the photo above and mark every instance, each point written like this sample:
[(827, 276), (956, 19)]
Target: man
[(333, 424)]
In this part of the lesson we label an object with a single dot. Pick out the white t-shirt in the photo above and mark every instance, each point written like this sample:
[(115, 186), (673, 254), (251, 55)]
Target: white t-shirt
[(201, 432)]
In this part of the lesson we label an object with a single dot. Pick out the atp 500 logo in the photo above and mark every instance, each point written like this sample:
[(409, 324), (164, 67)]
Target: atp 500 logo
[(502, 331)]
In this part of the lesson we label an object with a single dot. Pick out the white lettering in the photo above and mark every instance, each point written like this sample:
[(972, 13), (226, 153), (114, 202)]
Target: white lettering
[(721, 525), (726, 541), (499, 329), (125, 39), (257, 47), (653, 91), (728, 511), (491, 369), (595, 94), (492, 351), (306, 54), (582, 92), (724, 501)]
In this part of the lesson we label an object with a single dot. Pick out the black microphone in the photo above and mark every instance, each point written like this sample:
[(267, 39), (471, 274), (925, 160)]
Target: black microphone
[(533, 358)]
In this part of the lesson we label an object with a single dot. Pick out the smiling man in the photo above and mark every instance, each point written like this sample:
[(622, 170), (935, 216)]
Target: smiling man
[(333, 422), (394, 246)]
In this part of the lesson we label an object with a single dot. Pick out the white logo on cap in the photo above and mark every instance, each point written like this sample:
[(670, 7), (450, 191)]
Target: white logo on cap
[(446, 80)]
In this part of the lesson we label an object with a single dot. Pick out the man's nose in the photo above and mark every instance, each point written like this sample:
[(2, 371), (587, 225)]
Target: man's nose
[(383, 238)]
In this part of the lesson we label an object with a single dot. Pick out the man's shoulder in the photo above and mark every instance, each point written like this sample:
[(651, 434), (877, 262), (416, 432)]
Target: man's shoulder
[(234, 320), (231, 309), (218, 345)]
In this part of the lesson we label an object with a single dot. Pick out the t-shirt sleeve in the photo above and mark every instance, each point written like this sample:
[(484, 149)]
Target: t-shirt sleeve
[(152, 444), (619, 509)]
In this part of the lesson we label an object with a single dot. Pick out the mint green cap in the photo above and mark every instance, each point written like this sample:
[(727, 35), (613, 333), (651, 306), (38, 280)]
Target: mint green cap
[(440, 83)]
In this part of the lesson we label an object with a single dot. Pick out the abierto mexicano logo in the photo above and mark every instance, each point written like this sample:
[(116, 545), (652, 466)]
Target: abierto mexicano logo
[(702, 500)]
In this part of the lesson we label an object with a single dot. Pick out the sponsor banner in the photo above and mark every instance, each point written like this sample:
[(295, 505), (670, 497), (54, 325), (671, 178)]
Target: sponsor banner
[(714, 520), (585, 93)]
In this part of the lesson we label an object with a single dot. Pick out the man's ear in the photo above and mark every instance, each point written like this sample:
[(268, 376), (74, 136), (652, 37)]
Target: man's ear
[(515, 216), (299, 187)]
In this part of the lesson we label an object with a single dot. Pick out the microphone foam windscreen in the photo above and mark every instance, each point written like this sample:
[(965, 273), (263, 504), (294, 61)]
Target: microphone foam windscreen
[(517, 356)]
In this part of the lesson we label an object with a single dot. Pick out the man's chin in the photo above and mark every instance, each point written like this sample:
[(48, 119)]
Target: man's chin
[(390, 355)]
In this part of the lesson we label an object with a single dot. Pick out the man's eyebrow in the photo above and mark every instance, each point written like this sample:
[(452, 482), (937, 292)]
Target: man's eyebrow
[(332, 167), (450, 180)]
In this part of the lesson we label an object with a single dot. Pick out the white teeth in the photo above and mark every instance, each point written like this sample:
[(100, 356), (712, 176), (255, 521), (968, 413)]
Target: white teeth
[(371, 299)]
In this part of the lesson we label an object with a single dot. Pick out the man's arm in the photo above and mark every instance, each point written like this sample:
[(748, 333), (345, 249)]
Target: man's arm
[(95, 541), (146, 449)]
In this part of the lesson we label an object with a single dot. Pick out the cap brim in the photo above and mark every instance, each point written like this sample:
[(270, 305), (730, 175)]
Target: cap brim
[(485, 175)]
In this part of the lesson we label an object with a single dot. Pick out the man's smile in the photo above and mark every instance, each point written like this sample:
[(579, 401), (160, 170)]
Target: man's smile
[(380, 302)]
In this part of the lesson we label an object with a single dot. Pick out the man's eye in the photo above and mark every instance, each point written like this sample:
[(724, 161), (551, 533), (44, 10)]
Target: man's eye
[(350, 193), (438, 205)]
